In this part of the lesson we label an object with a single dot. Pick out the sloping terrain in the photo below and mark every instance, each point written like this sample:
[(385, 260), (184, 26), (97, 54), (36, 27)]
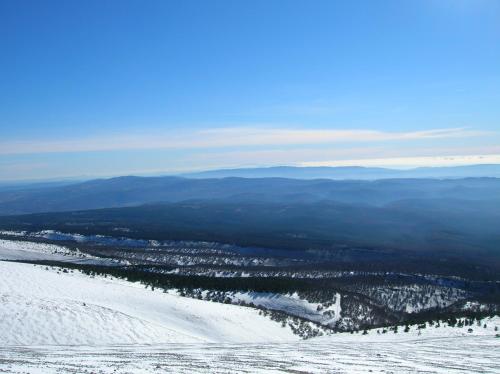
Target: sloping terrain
[(386, 238), (447, 227), (24, 250), (55, 322), (40, 306), (291, 294)]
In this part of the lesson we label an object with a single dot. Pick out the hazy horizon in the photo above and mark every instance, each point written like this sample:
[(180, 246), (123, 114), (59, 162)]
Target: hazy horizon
[(82, 178), (115, 88)]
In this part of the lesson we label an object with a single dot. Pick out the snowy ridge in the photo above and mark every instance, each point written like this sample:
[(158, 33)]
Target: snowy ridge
[(57, 235), (24, 250)]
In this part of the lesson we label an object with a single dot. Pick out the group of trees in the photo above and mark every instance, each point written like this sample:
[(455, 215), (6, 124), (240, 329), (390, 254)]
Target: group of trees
[(315, 290)]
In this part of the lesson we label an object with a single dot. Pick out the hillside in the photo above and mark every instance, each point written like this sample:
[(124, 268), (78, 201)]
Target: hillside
[(56, 321), (458, 234), (41, 306), (133, 191)]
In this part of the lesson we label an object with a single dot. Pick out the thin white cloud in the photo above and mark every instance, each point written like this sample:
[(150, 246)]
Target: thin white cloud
[(226, 137), (410, 162), (396, 155)]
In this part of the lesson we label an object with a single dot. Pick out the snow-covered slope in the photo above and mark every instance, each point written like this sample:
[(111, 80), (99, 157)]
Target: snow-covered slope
[(25, 250), (39, 306), (59, 322)]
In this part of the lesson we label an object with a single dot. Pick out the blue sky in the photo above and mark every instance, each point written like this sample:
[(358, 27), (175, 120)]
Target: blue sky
[(102, 88)]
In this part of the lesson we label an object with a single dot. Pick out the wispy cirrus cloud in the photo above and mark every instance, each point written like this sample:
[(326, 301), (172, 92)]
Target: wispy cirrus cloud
[(225, 137)]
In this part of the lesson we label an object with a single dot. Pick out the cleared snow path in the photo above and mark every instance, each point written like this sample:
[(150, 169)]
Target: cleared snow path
[(468, 354)]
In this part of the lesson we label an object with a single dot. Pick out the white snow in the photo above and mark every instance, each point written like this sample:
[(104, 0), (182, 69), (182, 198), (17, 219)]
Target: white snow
[(40, 307), (293, 304), (57, 235), (444, 355), (57, 322), (19, 250), (24, 250)]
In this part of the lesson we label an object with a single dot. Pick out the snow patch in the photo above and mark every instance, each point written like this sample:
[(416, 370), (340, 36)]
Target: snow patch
[(293, 304)]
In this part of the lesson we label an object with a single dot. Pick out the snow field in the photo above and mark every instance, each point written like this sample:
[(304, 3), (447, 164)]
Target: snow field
[(60, 322), (44, 307)]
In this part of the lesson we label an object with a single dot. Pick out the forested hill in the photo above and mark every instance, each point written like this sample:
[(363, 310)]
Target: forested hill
[(417, 230), (134, 191)]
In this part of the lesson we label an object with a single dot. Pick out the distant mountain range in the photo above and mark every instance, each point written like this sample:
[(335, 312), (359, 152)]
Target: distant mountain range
[(355, 172), (133, 191), (448, 218)]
